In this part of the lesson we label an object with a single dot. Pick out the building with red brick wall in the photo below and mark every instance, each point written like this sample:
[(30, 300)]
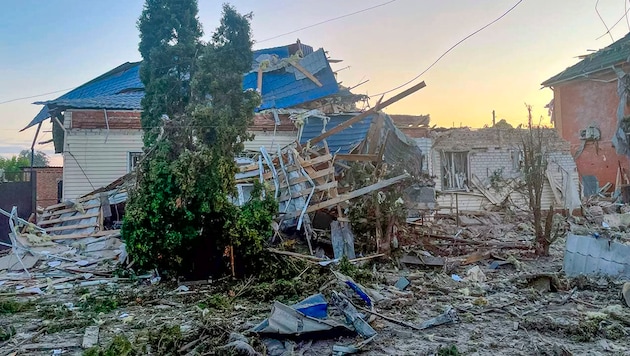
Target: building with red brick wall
[(47, 184), (592, 114)]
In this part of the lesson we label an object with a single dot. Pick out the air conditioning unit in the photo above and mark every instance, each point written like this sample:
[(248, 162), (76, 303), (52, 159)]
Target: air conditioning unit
[(590, 133)]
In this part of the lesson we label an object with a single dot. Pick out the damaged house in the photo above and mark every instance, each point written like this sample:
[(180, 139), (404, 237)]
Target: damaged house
[(476, 169), (96, 127), (308, 131), (590, 110)]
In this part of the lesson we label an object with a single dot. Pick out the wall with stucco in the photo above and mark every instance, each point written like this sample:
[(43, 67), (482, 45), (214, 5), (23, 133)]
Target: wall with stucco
[(579, 104)]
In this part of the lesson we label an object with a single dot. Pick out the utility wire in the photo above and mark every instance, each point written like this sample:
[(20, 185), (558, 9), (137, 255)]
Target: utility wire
[(35, 96), (265, 40), (604, 22), (625, 7), (448, 50), (616, 23), (326, 21)]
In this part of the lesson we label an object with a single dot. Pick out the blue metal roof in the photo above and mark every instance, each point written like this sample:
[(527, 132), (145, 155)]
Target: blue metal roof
[(281, 89), (284, 51), (121, 88), (400, 150), (341, 142)]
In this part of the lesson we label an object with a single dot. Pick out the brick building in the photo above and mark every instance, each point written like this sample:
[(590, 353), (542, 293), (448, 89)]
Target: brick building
[(48, 181), (590, 110)]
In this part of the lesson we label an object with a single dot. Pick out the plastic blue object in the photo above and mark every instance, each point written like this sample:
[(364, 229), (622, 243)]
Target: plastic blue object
[(360, 292), (402, 283), (314, 306), (456, 278)]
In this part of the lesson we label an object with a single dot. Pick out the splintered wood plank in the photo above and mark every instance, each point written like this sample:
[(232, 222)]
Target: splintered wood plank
[(306, 192), (308, 74), (315, 176), (367, 113), (353, 194)]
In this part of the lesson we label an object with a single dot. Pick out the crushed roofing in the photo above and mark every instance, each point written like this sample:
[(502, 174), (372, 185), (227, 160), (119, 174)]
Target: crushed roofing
[(341, 142), (399, 149), (616, 53), (122, 89)]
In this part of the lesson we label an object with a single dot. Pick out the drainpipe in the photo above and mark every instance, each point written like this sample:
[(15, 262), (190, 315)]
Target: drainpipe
[(106, 123)]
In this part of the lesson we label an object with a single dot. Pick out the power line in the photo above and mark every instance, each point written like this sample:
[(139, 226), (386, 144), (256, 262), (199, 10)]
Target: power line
[(604, 22), (625, 7), (35, 96), (326, 21), (625, 15), (448, 50)]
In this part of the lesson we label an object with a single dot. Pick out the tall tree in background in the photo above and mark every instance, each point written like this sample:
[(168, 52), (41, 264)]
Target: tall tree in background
[(40, 159), (11, 168), (180, 216)]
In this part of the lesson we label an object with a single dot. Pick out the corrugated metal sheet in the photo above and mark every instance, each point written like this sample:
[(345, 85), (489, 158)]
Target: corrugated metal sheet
[(590, 256), (121, 88), (282, 89), (91, 163), (616, 53), (400, 149), (341, 142)]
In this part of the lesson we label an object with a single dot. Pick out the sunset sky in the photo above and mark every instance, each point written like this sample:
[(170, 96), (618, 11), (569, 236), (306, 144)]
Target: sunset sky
[(50, 46)]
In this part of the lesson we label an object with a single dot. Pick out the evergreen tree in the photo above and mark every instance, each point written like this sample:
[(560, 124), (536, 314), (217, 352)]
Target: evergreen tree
[(169, 42), (180, 216)]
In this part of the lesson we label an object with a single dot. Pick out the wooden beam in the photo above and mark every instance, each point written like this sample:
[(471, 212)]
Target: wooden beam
[(305, 192), (354, 194), (260, 79), (308, 74), (367, 113), (316, 175), (357, 157)]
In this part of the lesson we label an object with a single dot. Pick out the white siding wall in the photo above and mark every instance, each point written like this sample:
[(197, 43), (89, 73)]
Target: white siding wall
[(425, 146), (89, 162), (483, 162), (270, 141)]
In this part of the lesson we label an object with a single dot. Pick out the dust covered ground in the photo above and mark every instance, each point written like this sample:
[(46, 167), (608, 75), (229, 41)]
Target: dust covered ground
[(525, 307)]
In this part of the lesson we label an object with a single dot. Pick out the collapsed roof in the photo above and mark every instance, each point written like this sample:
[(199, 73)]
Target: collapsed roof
[(291, 75)]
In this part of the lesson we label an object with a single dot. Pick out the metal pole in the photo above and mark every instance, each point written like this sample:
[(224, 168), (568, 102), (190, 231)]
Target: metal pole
[(33, 176), (457, 208)]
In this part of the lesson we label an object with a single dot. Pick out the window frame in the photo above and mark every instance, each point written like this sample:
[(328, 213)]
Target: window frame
[(445, 180)]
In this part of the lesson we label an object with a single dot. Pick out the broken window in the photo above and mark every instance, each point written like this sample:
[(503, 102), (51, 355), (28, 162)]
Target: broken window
[(455, 170), (134, 159), (518, 158)]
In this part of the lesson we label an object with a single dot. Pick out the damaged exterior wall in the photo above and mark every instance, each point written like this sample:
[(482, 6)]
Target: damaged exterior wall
[(488, 153), (94, 156), (582, 103)]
